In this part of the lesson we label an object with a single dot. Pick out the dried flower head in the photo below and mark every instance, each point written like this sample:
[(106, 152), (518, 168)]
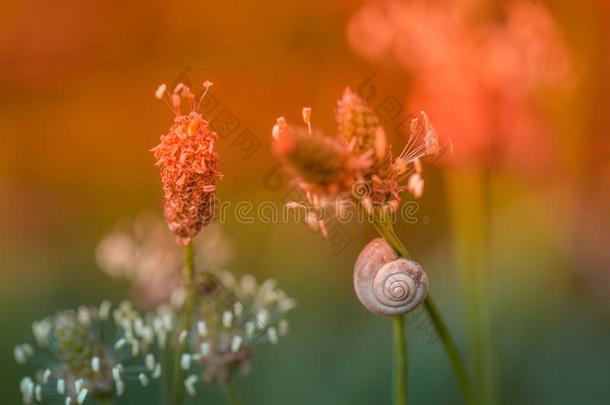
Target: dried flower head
[(188, 165), (355, 168), (232, 317), (357, 121), (322, 163), (89, 353)]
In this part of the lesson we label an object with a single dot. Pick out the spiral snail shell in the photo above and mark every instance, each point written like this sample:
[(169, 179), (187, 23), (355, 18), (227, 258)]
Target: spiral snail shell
[(387, 284)]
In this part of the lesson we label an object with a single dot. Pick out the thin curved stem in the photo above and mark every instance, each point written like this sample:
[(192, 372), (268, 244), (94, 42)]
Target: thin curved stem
[(400, 361), (386, 230), (188, 275)]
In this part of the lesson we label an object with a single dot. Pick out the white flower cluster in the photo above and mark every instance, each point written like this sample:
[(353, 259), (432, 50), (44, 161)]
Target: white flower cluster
[(229, 320), (94, 353), (90, 353)]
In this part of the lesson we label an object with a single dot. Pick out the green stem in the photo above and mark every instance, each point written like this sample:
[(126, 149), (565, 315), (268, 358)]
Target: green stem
[(467, 197), (452, 352), (400, 361), (188, 275), (386, 230), (400, 345), (232, 392)]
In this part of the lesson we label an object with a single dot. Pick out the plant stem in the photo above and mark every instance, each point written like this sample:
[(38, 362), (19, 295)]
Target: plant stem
[(232, 392), (467, 197), (386, 230), (452, 352), (400, 361), (188, 275), (400, 345)]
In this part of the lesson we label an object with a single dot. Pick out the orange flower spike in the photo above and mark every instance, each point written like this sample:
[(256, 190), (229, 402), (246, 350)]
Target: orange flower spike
[(188, 166)]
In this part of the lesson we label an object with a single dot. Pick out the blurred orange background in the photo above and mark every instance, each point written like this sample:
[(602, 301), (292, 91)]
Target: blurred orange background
[(77, 120)]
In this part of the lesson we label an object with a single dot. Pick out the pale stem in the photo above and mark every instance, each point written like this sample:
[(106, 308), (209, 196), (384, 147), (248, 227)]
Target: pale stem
[(467, 198), (188, 275)]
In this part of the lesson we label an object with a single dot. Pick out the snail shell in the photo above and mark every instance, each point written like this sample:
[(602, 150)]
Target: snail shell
[(387, 284)]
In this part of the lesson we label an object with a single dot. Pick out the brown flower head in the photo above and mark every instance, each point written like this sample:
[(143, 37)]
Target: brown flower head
[(322, 163), (188, 165), (355, 120), (356, 167)]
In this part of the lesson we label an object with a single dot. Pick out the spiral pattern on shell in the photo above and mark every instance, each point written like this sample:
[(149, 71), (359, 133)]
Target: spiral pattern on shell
[(361, 189), (387, 284)]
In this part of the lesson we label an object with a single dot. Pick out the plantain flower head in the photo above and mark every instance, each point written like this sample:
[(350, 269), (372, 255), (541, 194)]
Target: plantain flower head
[(233, 316), (188, 165), (356, 167), (323, 163), (357, 123), (92, 353)]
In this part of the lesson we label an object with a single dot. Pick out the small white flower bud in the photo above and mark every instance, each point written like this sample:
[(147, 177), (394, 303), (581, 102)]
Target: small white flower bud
[(82, 396), (160, 91), (202, 328), (78, 385), (262, 318), (287, 304), (116, 372), (95, 364), (104, 310), (41, 331), (227, 319), (143, 379), (167, 321), (236, 343), (150, 361), (272, 335), (275, 131), (182, 336), (307, 115), (38, 393), (20, 356), (189, 384), (157, 371), (27, 386), (61, 386), (238, 308), (84, 315), (120, 387), (204, 348), (46, 375), (185, 361), (120, 343)]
